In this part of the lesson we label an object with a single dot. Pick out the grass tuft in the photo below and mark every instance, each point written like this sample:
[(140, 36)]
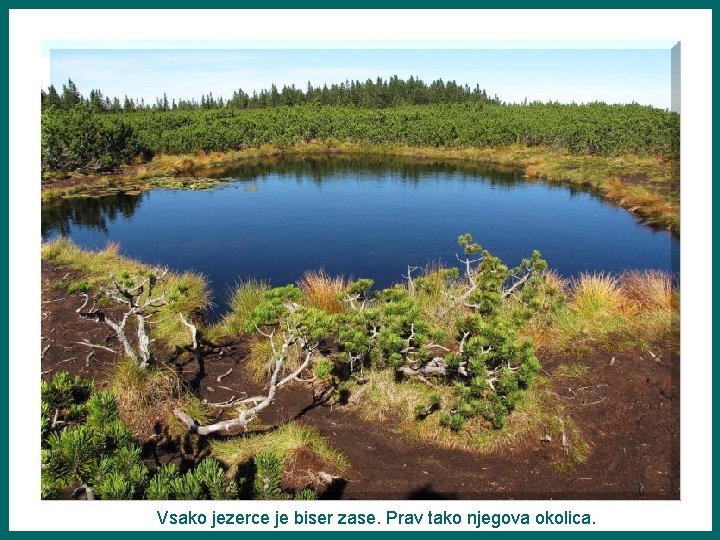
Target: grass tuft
[(532, 171), (246, 297), (649, 290), (322, 291), (595, 294), (287, 440), (147, 397), (573, 370), (381, 399), (638, 309)]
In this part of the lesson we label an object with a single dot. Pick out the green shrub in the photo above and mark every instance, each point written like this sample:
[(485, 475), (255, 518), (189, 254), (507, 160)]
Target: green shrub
[(305, 495), (211, 475), (63, 391), (323, 369), (78, 286), (187, 487), (268, 475), (78, 139), (160, 487)]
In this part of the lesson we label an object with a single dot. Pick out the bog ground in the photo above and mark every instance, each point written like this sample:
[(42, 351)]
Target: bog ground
[(626, 406)]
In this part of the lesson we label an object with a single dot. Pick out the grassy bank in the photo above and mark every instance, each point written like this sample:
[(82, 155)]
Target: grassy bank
[(183, 293), (372, 337), (646, 186)]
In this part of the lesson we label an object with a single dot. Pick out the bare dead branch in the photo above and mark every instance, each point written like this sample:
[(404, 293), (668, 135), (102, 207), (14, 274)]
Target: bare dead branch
[(232, 402), (58, 424), (88, 344), (565, 441), (193, 332), (411, 283), (327, 478), (437, 367), (129, 296), (143, 341), (408, 347), (245, 416), (221, 377), (120, 331), (515, 286), (461, 346), (85, 303)]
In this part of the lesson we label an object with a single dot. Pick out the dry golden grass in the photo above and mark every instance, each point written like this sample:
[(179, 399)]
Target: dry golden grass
[(594, 317), (649, 290), (322, 291), (532, 171), (637, 310), (654, 305), (641, 200), (555, 283), (383, 399), (592, 313)]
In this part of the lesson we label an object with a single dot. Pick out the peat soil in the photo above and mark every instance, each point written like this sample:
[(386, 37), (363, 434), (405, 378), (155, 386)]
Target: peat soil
[(626, 407)]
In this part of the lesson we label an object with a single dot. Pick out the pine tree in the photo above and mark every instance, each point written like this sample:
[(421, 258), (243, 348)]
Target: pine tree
[(70, 95)]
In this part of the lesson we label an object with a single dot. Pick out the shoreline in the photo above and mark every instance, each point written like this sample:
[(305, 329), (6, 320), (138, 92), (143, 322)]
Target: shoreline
[(645, 186)]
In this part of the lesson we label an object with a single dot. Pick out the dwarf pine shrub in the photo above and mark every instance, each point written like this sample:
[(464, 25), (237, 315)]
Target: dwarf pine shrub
[(268, 475), (85, 443)]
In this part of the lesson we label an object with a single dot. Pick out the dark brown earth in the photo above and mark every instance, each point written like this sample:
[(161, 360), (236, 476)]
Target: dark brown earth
[(627, 408), (70, 180), (667, 187)]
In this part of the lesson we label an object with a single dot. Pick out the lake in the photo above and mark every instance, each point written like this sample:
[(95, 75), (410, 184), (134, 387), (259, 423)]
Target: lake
[(362, 218)]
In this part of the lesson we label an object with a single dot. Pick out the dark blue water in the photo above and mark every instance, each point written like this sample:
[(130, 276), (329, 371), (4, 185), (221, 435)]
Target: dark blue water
[(365, 219)]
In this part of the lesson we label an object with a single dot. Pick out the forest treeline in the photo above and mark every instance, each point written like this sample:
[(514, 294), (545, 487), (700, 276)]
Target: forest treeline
[(379, 93), (76, 134)]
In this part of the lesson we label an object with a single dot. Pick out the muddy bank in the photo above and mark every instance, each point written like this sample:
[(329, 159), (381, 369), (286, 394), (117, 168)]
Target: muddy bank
[(626, 406)]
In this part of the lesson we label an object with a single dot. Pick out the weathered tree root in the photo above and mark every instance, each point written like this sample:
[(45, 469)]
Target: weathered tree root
[(130, 297), (246, 416)]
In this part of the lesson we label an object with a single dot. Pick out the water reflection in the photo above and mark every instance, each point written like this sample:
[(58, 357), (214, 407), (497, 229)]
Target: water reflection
[(329, 167), (361, 216), (89, 212)]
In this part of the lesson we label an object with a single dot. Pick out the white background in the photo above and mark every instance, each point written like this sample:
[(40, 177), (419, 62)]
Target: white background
[(32, 31)]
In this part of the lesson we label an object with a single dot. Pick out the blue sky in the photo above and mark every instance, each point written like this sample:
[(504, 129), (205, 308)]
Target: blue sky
[(566, 75)]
